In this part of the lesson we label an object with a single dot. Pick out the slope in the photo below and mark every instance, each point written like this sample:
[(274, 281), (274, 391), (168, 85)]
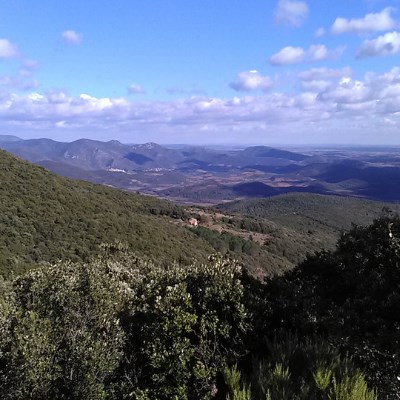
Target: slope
[(301, 223), (44, 218)]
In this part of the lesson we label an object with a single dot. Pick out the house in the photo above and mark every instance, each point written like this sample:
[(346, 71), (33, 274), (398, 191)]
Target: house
[(193, 222)]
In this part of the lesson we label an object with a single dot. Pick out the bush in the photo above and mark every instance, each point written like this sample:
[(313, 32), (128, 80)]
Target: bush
[(294, 369), (60, 335), (120, 327), (182, 324)]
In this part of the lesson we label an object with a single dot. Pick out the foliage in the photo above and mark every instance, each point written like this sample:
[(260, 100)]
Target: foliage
[(45, 218), (295, 369), (236, 389), (351, 295), (248, 252), (120, 327), (302, 223), (182, 324), (63, 336)]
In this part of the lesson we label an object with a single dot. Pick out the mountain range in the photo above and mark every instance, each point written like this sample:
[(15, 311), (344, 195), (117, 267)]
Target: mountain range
[(193, 174)]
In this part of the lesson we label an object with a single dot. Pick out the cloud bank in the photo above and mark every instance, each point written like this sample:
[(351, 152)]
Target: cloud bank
[(329, 100)]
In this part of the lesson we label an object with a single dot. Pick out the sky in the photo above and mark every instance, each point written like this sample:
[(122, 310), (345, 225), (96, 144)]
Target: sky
[(202, 72)]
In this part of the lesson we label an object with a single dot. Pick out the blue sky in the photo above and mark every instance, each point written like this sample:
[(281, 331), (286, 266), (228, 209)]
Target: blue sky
[(201, 72)]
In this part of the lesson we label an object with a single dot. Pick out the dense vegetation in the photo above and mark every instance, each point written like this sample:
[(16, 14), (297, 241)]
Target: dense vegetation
[(302, 223), (123, 327), (259, 259), (114, 324), (349, 296), (45, 218)]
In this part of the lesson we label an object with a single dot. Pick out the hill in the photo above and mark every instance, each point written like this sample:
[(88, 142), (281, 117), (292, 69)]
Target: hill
[(45, 218), (9, 138), (301, 223)]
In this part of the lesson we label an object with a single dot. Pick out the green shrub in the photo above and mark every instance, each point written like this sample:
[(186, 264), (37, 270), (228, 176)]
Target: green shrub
[(304, 370), (59, 333), (182, 324)]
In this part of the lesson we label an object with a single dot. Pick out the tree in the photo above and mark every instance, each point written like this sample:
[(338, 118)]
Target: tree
[(60, 336), (351, 296), (182, 323)]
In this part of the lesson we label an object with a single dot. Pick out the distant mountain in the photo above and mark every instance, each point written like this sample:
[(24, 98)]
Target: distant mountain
[(184, 173), (36, 150), (376, 182), (9, 138), (157, 156), (269, 152), (96, 155), (254, 189)]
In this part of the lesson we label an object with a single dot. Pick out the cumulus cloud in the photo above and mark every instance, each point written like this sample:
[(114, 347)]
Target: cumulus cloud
[(8, 49), (288, 55), (251, 80), (318, 52), (291, 12), (296, 55), (373, 22), (71, 37), (329, 98), (135, 89), (348, 91), (315, 85), (319, 80), (384, 45), (324, 73)]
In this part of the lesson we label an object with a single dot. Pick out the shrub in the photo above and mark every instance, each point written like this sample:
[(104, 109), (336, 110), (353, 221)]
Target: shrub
[(59, 333)]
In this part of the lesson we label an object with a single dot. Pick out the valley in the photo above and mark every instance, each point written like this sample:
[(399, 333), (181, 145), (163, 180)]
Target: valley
[(210, 176)]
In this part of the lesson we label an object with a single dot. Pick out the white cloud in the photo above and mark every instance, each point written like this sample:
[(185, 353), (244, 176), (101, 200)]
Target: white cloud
[(291, 12), (296, 55), (373, 22), (384, 45), (8, 49), (19, 81), (315, 85), (288, 55), (324, 73), (71, 37), (329, 99), (251, 80), (348, 91), (135, 89), (318, 52)]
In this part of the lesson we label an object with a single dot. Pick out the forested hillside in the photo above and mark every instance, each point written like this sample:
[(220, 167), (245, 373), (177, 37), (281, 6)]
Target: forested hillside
[(44, 218), (301, 223)]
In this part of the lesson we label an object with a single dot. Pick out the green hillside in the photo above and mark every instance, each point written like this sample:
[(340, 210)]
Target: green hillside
[(301, 223), (44, 218)]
